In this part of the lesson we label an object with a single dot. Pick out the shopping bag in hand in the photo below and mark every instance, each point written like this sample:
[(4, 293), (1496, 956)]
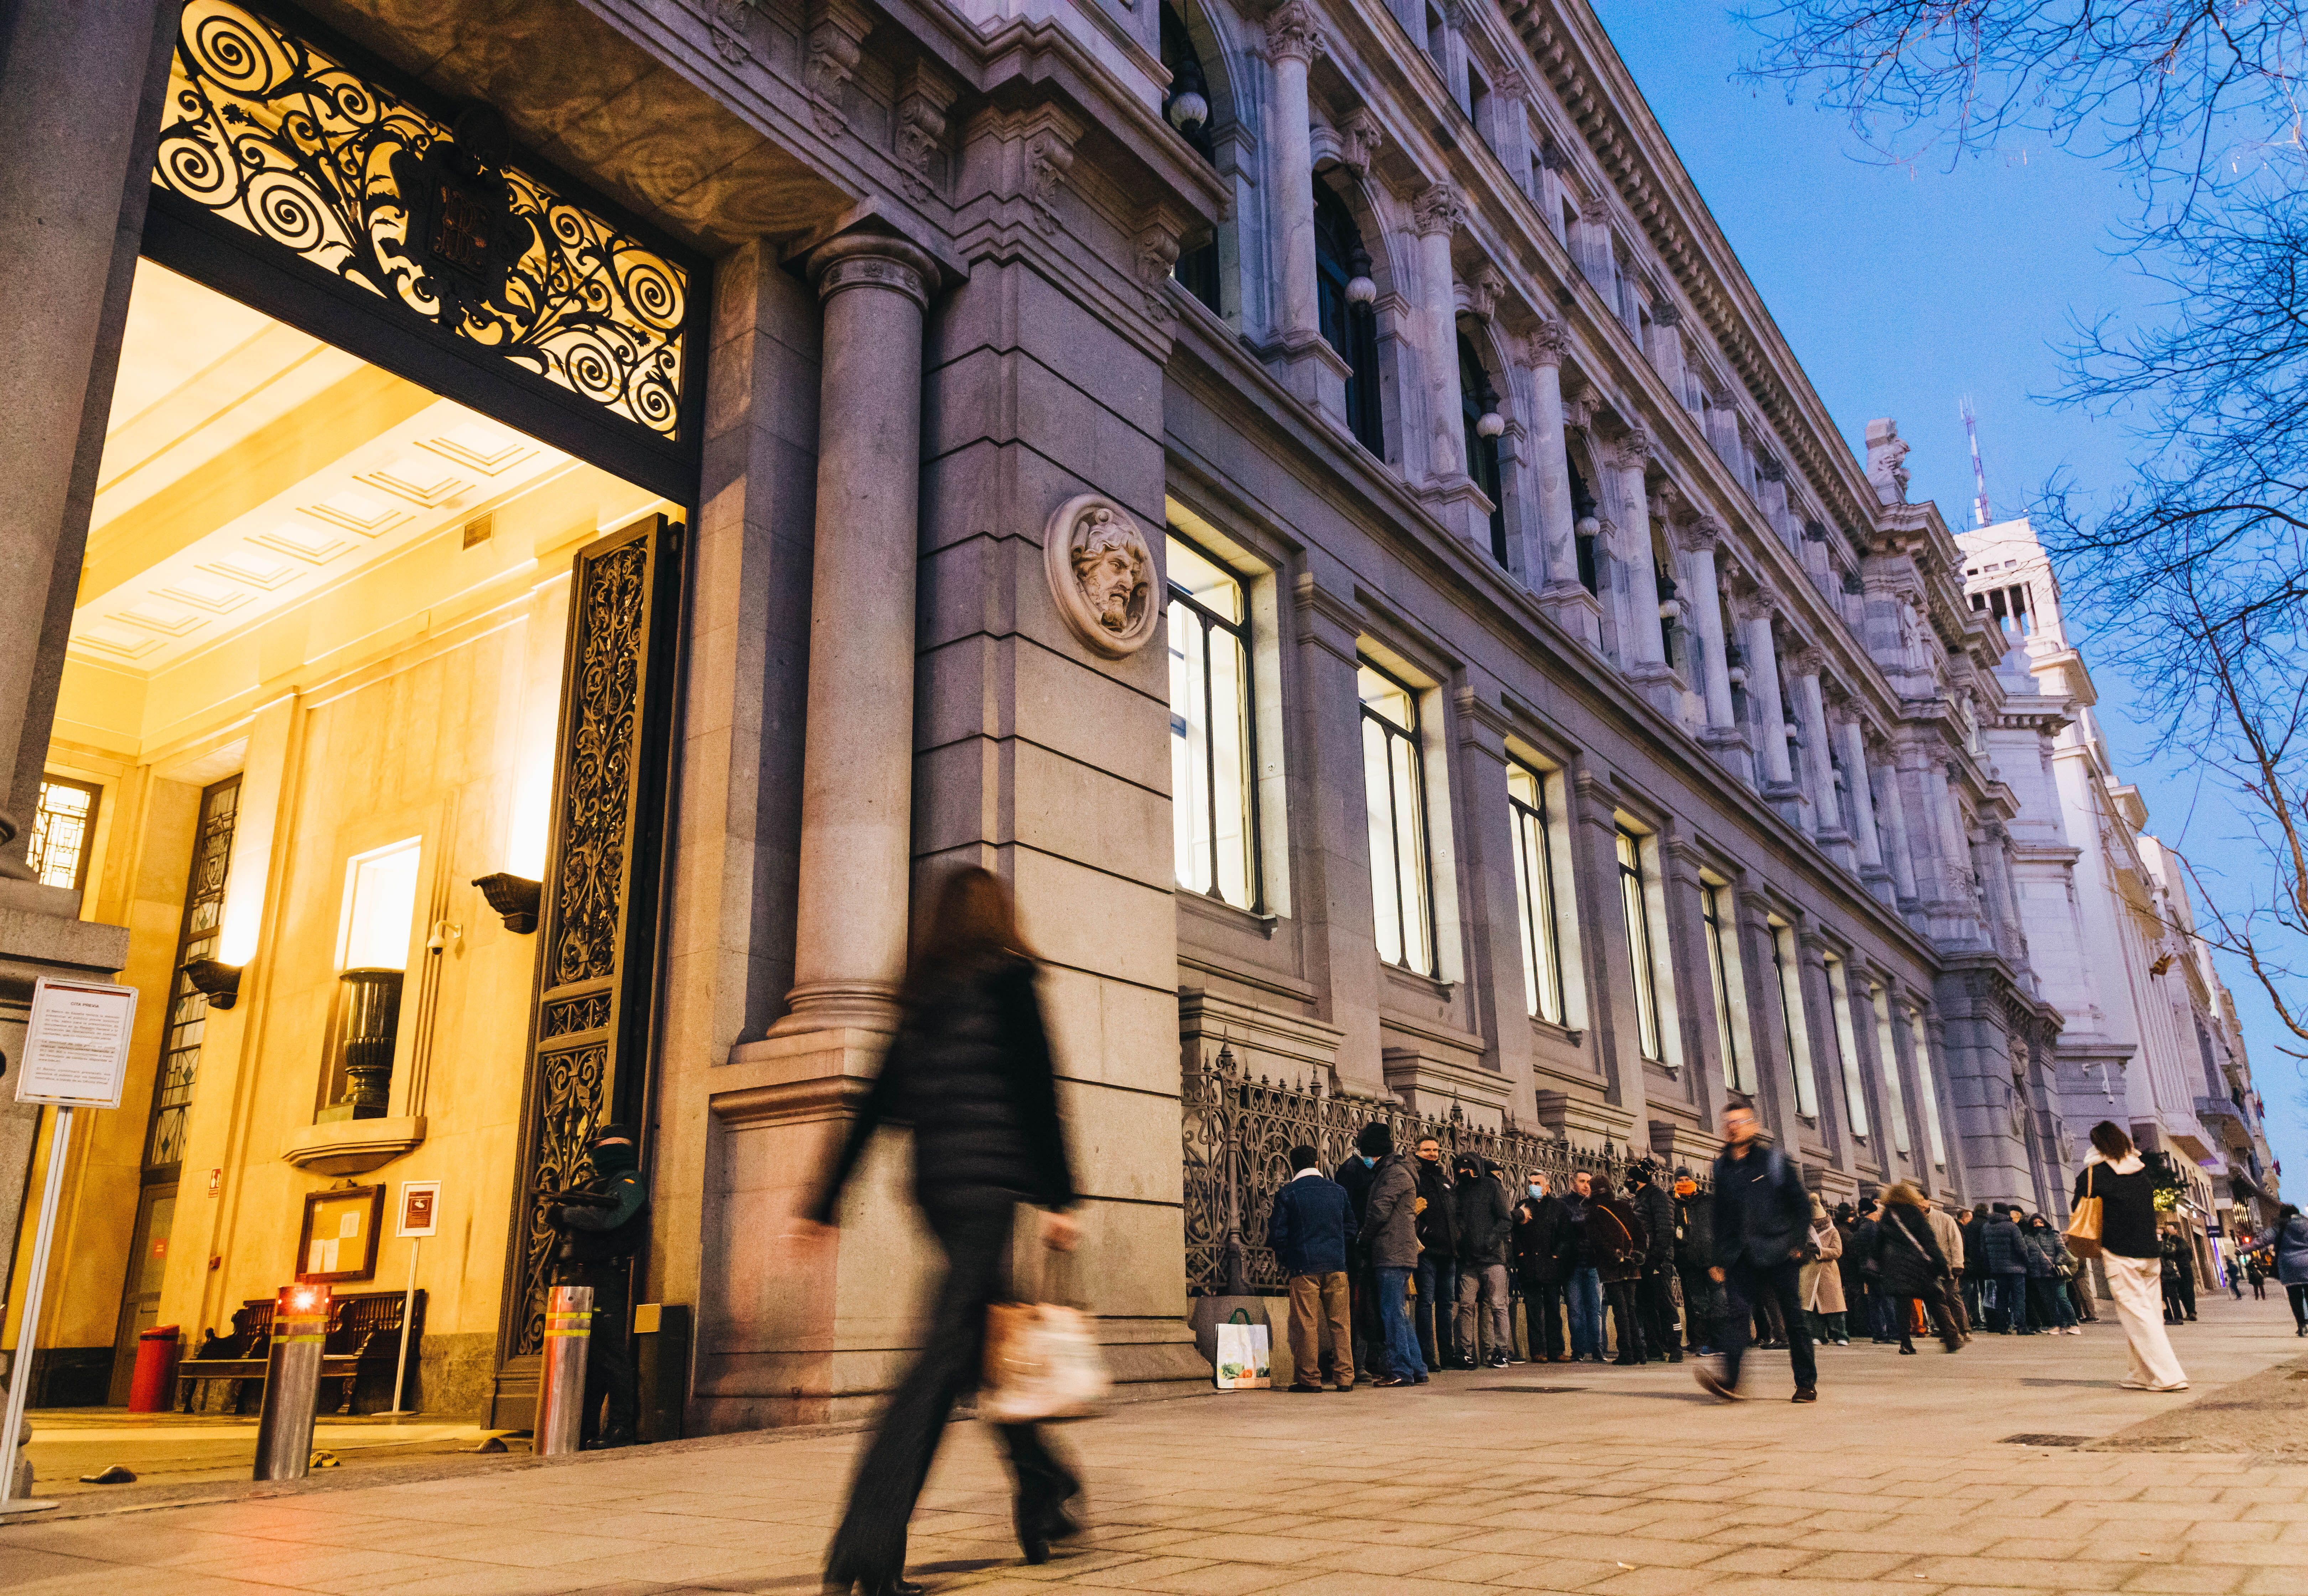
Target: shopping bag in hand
[(1042, 1362), (1245, 1355)]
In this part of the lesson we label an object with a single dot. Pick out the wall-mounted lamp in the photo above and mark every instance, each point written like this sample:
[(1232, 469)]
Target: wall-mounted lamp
[(215, 981), (1588, 527), (1360, 289), (515, 897), (1490, 424)]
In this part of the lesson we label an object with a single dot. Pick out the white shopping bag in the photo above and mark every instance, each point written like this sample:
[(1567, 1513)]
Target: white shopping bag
[(1042, 1362), (1245, 1355)]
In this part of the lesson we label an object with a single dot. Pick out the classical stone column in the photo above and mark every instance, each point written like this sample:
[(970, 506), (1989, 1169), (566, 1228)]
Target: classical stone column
[(1437, 214), (1637, 578), (1853, 742), (1899, 853), (1810, 710), (1562, 594), (858, 752), (1314, 371), (1704, 605), (1754, 615)]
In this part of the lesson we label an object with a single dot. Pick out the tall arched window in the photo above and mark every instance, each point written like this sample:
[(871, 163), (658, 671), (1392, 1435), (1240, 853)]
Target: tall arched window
[(1189, 110), (1348, 327), (1477, 399)]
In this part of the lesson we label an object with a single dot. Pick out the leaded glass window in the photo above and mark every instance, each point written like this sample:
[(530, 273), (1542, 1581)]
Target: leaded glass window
[(63, 833)]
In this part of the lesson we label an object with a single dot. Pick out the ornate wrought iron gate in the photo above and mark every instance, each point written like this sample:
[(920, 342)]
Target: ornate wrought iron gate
[(597, 946)]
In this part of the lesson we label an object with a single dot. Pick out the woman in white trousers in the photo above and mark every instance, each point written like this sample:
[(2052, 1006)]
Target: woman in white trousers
[(2133, 1254)]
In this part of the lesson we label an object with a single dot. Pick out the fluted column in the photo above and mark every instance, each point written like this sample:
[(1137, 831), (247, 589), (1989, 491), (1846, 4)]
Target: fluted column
[(1898, 850), (858, 752), (1560, 592), (1853, 741), (1293, 40), (1704, 605), (1437, 214), (1636, 579), (1811, 711), (1763, 651)]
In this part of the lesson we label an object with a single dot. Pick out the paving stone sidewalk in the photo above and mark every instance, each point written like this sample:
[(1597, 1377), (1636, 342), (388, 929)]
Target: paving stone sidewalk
[(1557, 1477)]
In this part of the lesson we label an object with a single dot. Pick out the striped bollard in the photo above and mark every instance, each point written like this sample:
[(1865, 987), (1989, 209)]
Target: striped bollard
[(292, 1383), (561, 1384)]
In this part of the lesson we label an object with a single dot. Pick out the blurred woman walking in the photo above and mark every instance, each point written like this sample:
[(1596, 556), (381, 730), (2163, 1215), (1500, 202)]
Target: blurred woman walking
[(2291, 1262), (2133, 1255), (970, 1070)]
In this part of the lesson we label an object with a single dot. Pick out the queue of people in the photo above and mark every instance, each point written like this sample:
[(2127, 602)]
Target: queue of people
[(1420, 1264)]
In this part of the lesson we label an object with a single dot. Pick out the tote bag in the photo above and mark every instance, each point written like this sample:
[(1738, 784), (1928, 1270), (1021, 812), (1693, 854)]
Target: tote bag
[(2082, 1234), (1245, 1355), (1042, 1362)]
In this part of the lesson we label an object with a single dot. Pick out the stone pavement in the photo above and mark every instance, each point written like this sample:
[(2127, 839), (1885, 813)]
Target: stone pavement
[(1904, 1477)]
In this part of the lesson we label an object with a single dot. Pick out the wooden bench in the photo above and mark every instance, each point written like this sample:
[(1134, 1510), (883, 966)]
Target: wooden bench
[(363, 1344)]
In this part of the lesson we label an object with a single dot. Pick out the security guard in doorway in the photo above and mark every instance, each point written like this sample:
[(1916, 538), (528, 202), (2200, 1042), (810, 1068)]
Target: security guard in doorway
[(602, 1220)]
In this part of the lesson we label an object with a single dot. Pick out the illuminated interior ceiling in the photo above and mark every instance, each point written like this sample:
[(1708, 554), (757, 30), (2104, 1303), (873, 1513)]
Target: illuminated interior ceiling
[(271, 512), (248, 466)]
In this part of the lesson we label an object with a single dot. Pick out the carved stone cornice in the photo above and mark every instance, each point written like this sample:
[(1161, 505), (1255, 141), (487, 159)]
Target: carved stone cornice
[(1549, 344), (836, 40), (923, 100), (1632, 451), (1438, 209), (1758, 603), (1293, 33), (1807, 661)]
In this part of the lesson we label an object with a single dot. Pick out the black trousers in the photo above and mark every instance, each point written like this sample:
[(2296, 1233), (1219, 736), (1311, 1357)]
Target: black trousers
[(871, 1543), (1655, 1307), (1542, 1316), (1361, 1292), (608, 1353), (1746, 1285), (1703, 1312), (1619, 1297)]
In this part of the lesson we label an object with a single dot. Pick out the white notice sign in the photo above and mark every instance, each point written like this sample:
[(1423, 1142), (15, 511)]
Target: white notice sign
[(76, 1044)]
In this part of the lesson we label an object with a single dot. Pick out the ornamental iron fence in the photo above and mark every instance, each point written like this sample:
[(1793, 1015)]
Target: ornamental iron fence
[(1238, 1135)]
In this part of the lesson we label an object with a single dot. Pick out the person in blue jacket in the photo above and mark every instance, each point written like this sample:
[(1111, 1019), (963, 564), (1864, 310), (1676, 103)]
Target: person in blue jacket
[(1311, 1229)]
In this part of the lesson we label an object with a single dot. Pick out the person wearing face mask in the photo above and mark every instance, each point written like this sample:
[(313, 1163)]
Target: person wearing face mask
[(1437, 1279), (1694, 1252), (1483, 1225), (1542, 1236)]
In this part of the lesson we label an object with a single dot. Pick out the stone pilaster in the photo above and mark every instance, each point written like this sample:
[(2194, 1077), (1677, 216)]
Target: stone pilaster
[(1560, 593), (1489, 904), (1314, 371), (1334, 878)]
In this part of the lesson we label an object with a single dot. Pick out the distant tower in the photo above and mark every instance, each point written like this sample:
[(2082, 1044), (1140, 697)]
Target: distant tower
[(1979, 475)]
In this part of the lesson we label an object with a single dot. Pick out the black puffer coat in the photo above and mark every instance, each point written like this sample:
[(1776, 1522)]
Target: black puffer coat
[(969, 1070), (2000, 1242), (1907, 1257), (1656, 1209), (1483, 1221)]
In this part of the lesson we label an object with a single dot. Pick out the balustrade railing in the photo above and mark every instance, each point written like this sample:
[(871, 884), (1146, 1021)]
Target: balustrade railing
[(1238, 1133)]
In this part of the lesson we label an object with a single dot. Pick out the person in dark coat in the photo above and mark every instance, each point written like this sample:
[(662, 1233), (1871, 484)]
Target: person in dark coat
[(1310, 1229), (1974, 1222), (1654, 1297), (1437, 1279), (2291, 1263), (1763, 1220), (1910, 1267), (1484, 1226), (1876, 1306), (1542, 1233), (1354, 1173), (602, 1221), (1583, 1287), (970, 1070), (2187, 1273), (1390, 1233), (1856, 1303), (1694, 1252), (2047, 1303), (2006, 1259), (1617, 1242)]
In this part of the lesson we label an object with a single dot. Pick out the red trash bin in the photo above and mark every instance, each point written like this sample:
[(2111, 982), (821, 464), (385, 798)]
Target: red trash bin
[(156, 1370)]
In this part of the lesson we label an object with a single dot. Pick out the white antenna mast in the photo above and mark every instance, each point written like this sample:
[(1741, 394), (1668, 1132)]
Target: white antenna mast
[(1978, 474)]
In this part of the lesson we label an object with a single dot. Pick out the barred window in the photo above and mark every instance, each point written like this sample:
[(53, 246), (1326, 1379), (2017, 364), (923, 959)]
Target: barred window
[(1847, 1048), (1714, 911), (1214, 799), (1786, 966), (1535, 900), (64, 828), (1632, 899), (1394, 784)]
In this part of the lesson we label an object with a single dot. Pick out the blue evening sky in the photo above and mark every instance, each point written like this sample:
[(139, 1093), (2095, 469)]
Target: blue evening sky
[(1901, 290)]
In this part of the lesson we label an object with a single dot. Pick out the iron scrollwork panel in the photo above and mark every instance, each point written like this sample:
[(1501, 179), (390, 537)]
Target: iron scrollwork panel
[(596, 956), (265, 132), (1237, 1137)]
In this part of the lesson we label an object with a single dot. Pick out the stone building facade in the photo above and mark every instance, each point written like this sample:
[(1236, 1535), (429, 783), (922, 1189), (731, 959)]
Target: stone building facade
[(1375, 581), (2152, 1038)]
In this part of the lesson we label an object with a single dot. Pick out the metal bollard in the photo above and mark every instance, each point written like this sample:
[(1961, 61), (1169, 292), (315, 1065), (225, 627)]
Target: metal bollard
[(292, 1383), (561, 1382)]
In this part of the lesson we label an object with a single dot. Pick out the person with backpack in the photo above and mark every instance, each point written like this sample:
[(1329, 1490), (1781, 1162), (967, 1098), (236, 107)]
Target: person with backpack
[(1310, 1229), (1762, 1218), (1617, 1242)]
